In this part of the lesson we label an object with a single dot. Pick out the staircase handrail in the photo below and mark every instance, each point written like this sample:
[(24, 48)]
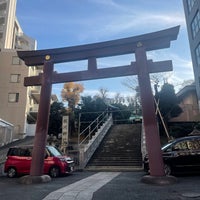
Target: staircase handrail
[(98, 122), (87, 150)]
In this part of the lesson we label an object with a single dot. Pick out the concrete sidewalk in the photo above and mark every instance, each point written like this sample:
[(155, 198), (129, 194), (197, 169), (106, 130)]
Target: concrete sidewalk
[(125, 186), (101, 186), (83, 189)]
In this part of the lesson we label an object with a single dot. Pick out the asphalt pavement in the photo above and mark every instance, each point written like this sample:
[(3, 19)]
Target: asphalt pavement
[(101, 186)]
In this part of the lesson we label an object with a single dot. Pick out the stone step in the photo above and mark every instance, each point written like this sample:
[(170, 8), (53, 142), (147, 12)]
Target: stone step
[(115, 158), (117, 164), (114, 168), (118, 154), (120, 147)]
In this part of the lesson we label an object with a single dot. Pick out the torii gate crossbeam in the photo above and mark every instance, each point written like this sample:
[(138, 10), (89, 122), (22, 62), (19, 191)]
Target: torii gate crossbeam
[(151, 41), (141, 67), (95, 73)]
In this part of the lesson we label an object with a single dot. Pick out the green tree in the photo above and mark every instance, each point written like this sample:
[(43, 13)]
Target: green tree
[(168, 102), (57, 111), (90, 109), (121, 113)]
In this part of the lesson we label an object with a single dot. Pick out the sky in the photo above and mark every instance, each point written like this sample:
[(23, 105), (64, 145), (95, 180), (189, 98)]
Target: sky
[(65, 23)]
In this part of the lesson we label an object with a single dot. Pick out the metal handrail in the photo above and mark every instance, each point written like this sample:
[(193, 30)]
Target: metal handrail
[(88, 149), (92, 129)]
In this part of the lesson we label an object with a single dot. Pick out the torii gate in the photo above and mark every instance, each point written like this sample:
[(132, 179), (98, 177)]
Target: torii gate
[(141, 67)]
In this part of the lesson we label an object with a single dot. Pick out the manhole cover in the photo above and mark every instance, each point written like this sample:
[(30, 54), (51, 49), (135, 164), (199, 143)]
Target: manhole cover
[(191, 195)]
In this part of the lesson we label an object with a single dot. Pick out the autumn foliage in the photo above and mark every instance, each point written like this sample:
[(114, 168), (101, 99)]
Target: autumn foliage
[(71, 93)]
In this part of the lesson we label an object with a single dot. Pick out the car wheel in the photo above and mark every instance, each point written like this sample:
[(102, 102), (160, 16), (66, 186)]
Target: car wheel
[(167, 169), (12, 172), (54, 172)]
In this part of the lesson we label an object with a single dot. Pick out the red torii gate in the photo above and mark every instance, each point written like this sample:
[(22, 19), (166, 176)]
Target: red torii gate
[(141, 67)]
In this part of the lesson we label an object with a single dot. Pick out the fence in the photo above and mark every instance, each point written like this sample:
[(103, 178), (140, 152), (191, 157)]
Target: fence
[(6, 132)]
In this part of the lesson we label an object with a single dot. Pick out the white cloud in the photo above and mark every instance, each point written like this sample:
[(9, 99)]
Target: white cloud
[(105, 2), (139, 21), (109, 94), (178, 61), (134, 22)]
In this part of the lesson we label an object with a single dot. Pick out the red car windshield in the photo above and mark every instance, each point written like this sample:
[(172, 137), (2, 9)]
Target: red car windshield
[(54, 151)]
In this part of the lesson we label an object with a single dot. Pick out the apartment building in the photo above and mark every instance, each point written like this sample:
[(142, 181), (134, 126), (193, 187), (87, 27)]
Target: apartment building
[(11, 34), (18, 104), (13, 93), (7, 21), (192, 15)]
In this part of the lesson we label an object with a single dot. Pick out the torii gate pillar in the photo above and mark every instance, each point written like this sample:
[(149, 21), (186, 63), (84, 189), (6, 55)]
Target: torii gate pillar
[(149, 117), (42, 120)]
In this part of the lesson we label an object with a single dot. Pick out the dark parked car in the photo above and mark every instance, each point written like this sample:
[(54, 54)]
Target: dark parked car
[(135, 119), (180, 156), (19, 158)]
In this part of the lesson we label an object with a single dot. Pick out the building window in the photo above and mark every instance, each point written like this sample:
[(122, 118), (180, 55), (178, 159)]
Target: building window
[(190, 4), (15, 78), (195, 25), (16, 60), (197, 53), (13, 97)]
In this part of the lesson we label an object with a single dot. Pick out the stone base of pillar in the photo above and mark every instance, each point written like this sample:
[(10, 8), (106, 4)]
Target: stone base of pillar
[(159, 180), (27, 180)]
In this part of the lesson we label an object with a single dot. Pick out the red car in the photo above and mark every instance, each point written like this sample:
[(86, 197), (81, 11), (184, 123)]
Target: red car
[(19, 158)]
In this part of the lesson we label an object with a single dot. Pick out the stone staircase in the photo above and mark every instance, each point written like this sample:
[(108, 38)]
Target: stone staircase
[(120, 150)]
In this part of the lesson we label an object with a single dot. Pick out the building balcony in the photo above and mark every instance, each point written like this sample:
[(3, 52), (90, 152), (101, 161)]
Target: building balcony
[(34, 93), (36, 96), (32, 114), (36, 72), (36, 89), (21, 37), (34, 108), (22, 41)]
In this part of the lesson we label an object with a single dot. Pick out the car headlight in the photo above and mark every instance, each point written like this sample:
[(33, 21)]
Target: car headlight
[(62, 159)]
